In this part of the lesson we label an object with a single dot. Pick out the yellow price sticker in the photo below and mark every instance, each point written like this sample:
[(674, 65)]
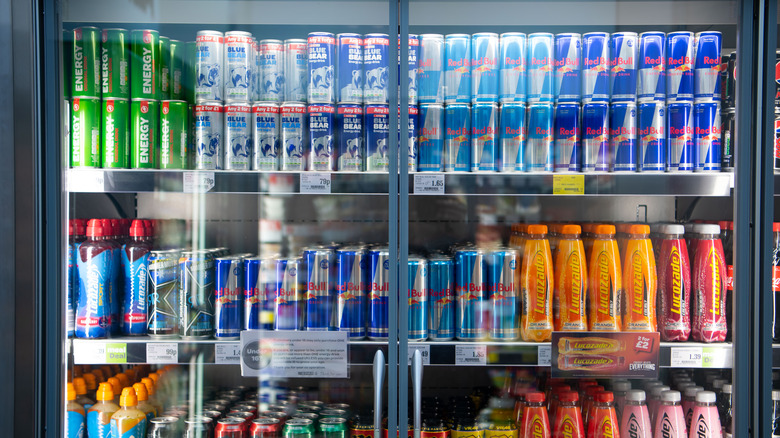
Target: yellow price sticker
[(568, 184)]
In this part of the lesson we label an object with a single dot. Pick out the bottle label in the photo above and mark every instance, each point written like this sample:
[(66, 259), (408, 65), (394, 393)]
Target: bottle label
[(75, 425), (128, 427), (98, 424), (674, 288), (709, 285)]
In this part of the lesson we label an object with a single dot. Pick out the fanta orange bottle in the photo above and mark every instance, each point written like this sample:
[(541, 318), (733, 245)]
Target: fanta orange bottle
[(604, 421), (536, 424), (640, 281), (605, 281), (571, 282), (536, 283)]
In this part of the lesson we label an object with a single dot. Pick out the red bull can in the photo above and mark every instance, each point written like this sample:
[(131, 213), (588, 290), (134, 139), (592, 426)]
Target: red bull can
[(430, 141), (539, 156), (651, 81), (319, 287), (652, 136), (208, 135), (568, 52), (349, 72), (679, 125), (707, 136), (540, 67), (378, 290), (265, 136), (228, 297), (239, 65), (567, 137), (352, 266), (209, 65), (504, 294), (322, 64), (457, 68), (238, 137), (430, 74), (441, 294), (622, 66), (288, 306), (512, 67), (471, 296), (484, 67), (296, 70), (85, 64), (321, 127), (595, 67), (457, 137), (259, 293), (349, 136), (680, 48), (377, 129), (512, 133), (707, 65), (418, 298), (376, 61), (484, 127), (622, 135), (270, 75), (293, 136)]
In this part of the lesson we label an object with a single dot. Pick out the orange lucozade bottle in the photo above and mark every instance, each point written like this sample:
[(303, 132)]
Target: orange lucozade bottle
[(605, 281), (536, 284), (571, 282), (640, 281)]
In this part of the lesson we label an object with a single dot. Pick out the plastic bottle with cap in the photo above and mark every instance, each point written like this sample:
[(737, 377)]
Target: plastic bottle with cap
[(143, 401), (705, 422), (709, 287), (116, 386), (99, 415), (71, 290), (727, 238), (619, 389), (588, 401), (535, 420), (74, 421), (123, 380), (728, 412), (654, 401), (635, 418), (128, 421), (114, 285), (603, 422), (605, 281), (135, 266), (670, 420), (94, 257), (536, 285), (91, 382), (151, 391), (689, 402), (674, 285), (571, 282), (568, 417), (640, 281), (80, 385)]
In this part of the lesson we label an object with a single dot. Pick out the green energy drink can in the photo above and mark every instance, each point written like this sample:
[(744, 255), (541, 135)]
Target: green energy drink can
[(115, 63), (115, 133), (189, 75), (67, 64), (298, 428), (334, 427), (174, 134), (165, 68), (144, 121), (144, 64), (176, 69), (85, 132), (86, 62)]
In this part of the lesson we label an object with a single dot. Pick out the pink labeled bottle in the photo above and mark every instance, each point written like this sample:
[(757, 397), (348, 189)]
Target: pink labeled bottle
[(708, 322), (674, 285), (705, 422), (655, 400), (620, 389), (670, 420), (635, 421), (689, 402)]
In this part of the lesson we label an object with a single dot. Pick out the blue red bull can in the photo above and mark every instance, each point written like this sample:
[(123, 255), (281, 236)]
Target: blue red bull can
[(679, 66), (679, 136), (441, 297), (707, 66), (595, 67), (568, 53), (414, 114), (539, 156), (290, 289), (484, 67), (321, 127), (622, 66), (319, 285), (377, 130), (512, 67), (622, 135), (430, 74), (430, 141), (652, 136), (484, 127), (567, 137), (512, 132), (414, 55), (376, 59), (471, 298), (418, 298), (349, 137), (228, 297), (595, 137), (322, 65), (651, 82), (707, 130), (259, 281), (457, 70), (504, 294), (540, 67), (349, 71), (457, 137), (378, 290), (352, 266)]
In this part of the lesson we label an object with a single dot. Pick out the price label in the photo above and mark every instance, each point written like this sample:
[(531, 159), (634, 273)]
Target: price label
[(315, 183), (227, 353), (425, 353), (428, 184), (716, 357), (568, 184), (86, 180), (198, 182), (89, 352), (690, 357), (471, 355), (162, 353), (544, 355)]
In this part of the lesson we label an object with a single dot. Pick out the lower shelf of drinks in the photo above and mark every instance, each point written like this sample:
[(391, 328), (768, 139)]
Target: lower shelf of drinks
[(137, 350)]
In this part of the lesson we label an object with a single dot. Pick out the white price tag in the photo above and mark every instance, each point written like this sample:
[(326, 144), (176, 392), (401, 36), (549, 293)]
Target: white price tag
[(291, 354), (162, 353), (86, 180), (425, 353), (315, 182), (198, 182), (686, 357), (89, 352), (228, 353), (428, 184), (544, 355), (471, 355)]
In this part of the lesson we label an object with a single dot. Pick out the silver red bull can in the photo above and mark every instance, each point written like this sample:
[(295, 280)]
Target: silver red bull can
[(484, 129), (512, 133), (651, 82), (595, 137), (567, 137), (679, 135), (622, 135), (652, 136), (707, 136)]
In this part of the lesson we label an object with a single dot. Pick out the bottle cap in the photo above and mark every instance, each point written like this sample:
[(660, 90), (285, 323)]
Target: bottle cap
[(691, 391), (588, 227), (605, 397), (657, 390), (80, 385), (568, 396), (639, 229), (154, 376), (571, 229), (727, 388), (95, 228), (99, 377), (140, 391), (622, 385), (71, 392), (718, 384), (123, 380), (90, 380), (670, 396), (137, 229), (776, 227), (560, 388), (534, 397), (537, 229), (622, 227), (775, 395), (115, 385), (128, 397), (673, 229), (636, 395), (604, 229), (105, 392), (705, 397), (682, 385), (149, 385), (706, 229)]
